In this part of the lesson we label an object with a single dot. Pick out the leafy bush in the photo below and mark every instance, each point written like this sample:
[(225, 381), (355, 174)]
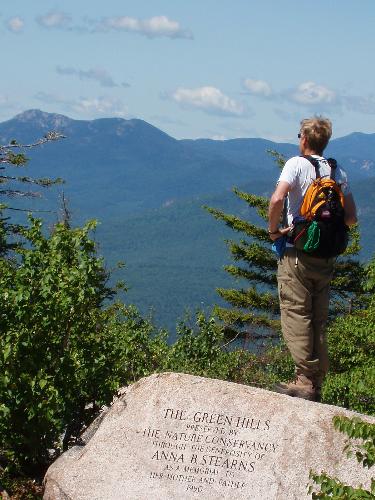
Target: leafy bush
[(333, 489), (351, 341), (357, 429), (198, 350), (52, 362), (139, 349), (204, 350), (63, 355), (353, 390), (363, 447)]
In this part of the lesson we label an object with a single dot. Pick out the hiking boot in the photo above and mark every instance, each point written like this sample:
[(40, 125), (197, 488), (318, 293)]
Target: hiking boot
[(301, 387)]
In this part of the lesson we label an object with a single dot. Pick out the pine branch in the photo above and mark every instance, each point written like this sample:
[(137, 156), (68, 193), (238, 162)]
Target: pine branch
[(279, 158), (259, 202), (256, 277), (349, 276), (240, 225), (44, 182), (251, 299), (354, 242), (254, 254), (26, 210), (12, 193), (238, 318), (16, 160)]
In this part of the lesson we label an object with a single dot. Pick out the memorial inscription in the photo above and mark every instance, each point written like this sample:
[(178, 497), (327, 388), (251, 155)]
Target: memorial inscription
[(206, 448), (173, 436)]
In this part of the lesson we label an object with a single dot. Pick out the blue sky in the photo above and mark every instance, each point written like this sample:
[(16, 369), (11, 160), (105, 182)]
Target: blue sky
[(203, 68)]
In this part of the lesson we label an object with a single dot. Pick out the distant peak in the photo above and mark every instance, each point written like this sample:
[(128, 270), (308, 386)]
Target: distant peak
[(42, 118)]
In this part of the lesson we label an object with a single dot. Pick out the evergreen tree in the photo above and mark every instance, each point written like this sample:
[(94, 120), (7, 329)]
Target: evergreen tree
[(12, 156), (255, 306)]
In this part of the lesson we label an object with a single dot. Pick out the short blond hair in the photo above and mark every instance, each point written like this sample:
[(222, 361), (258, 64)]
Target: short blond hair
[(318, 131)]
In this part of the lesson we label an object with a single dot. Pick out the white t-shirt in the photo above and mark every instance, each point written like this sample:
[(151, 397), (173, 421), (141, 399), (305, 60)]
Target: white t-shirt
[(299, 173)]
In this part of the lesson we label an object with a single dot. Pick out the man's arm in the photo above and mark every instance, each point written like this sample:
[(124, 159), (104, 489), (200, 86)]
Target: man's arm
[(350, 210), (275, 209)]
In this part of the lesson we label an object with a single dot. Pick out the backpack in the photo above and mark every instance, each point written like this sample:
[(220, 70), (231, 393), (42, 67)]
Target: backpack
[(320, 230)]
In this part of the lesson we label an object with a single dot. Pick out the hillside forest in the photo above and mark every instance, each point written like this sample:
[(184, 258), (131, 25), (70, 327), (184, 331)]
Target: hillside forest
[(146, 190)]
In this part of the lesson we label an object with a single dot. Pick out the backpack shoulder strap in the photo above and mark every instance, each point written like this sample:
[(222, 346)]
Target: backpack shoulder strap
[(333, 164), (314, 162)]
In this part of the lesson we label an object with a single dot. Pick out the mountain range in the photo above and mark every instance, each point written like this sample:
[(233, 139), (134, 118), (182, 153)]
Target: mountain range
[(147, 188)]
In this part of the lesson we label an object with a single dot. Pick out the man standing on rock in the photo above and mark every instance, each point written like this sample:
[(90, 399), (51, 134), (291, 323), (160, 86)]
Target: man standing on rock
[(304, 280)]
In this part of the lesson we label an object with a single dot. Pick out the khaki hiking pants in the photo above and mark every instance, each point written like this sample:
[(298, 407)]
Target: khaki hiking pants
[(303, 283)]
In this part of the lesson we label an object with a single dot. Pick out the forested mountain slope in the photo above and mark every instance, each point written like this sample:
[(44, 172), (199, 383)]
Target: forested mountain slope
[(147, 190)]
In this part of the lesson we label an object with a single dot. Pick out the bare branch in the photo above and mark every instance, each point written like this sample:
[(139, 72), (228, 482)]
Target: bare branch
[(50, 136), (29, 210), (40, 182), (22, 194), (231, 340)]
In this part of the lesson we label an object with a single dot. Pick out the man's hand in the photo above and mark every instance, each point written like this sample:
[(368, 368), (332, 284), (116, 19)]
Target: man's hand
[(281, 232)]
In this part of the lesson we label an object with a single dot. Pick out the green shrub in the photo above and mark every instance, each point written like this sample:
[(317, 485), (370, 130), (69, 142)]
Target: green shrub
[(328, 488), (351, 342), (204, 350), (139, 350), (361, 444), (353, 390), (63, 355), (198, 350)]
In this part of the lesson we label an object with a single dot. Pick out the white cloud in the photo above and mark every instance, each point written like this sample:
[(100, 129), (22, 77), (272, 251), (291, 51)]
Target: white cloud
[(89, 107), (360, 104), (311, 97), (307, 93), (219, 137), (55, 19), (312, 93), (103, 106), (257, 87), (97, 74), (157, 26), (209, 99), (15, 24), (5, 102)]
